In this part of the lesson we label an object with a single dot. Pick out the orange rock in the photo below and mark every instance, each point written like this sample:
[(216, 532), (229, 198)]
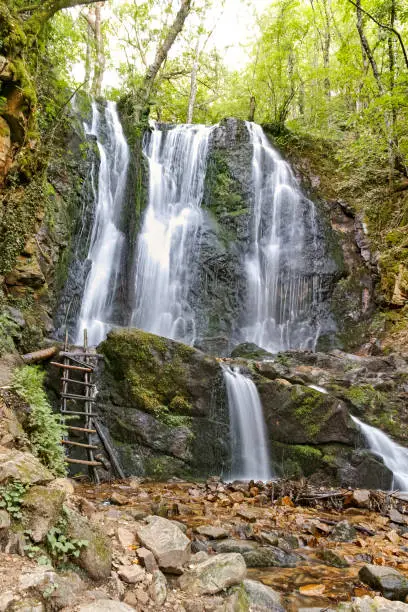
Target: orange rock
[(312, 590)]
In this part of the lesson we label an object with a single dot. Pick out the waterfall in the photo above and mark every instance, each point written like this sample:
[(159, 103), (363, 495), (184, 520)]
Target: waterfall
[(250, 453), (168, 243), (282, 284), (107, 239), (394, 456)]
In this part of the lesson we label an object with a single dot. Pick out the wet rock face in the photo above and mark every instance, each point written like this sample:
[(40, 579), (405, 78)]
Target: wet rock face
[(164, 405)]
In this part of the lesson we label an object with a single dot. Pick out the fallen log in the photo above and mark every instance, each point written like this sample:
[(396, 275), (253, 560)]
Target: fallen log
[(41, 355)]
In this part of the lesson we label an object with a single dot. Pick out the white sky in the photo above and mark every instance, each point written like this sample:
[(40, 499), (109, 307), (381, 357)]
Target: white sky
[(234, 31)]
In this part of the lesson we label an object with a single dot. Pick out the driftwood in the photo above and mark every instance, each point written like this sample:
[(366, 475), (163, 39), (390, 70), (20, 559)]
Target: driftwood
[(41, 355)]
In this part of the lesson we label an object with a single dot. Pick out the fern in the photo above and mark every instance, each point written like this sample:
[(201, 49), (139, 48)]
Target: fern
[(44, 429)]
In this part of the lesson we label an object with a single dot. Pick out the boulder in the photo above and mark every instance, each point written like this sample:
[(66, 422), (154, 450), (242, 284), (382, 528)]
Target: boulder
[(343, 532), (214, 575), (147, 558), (270, 556), (167, 542), (238, 546), (212, 532), (261, 597), (22, 466), (105, 605), (131, 573), (96, 557), (5, 520), (158, 588), (330, 557), (391, 583), (41, 508), (372, 604)]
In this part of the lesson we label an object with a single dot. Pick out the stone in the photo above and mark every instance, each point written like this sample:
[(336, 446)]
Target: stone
[(372, 604), (131, 574), (96, 557), (343, 532), (361, 498), (238, 546), (105, 605), (142, 596), (69, 588), (332, 558), (214, 575), (147, 558), (167, 542), (391, 583), (119, 499), (5, 521), (126, 538), (41, 509), (261, 597), (158, 588), (211, 532), (22, 466), (63, 484), (270, 556), (199, 557)]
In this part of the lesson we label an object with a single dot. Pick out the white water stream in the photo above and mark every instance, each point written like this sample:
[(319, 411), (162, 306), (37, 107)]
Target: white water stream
[(249, 445), (282, 286), (107, 240), (394, 456), (170, 236)]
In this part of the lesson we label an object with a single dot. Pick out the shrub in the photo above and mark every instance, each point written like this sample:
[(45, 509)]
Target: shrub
[(44, 428)]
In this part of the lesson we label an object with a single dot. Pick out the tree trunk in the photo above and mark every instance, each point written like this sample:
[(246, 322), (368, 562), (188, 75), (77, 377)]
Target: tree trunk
[(88, 58), (326, 49), (366, 47), (193, 84), (252, 108), (43, 11), (145, 90), (100, 60)]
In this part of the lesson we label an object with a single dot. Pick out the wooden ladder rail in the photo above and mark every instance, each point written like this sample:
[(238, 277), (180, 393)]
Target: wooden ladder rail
[(89, 392)]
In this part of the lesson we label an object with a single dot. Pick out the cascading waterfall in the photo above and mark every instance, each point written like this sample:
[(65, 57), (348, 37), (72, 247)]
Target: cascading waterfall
[(169, 239), (107, 239), (282, 285), (394, 456), (250, 452)]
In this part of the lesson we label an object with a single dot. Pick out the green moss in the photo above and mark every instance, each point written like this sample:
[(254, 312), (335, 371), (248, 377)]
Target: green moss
[(297, 460), (164, 467), (9, 332), (307, 407), (365, 396)]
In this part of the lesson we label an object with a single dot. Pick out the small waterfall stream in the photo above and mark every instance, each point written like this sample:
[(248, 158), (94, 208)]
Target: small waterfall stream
[(395, 457), (282, 284), (107, 239), (169, 239), (249, 445)]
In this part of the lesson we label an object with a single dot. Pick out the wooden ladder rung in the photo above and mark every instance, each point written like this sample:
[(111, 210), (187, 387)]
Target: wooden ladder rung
[(84, 364), (71, 443), (81, 398), (78, 412), (82, 461), (72, 354), (78, 382), (71, 367), (83, 429)]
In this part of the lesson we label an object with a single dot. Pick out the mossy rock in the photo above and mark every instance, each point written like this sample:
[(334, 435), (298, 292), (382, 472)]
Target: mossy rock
[(96, 557), (41, 509)]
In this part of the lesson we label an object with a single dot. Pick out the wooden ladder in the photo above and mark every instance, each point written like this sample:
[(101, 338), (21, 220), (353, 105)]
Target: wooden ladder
[(77, 369)]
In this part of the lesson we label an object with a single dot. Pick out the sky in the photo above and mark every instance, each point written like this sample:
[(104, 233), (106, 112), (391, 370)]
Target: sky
[(235, 26)]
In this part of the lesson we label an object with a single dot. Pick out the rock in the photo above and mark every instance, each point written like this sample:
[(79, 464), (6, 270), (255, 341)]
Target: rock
[(63, 484), (270, 556), (343, 532), (126, 538), (96, 557), (214, 575), (262, 597), (211, 532), (22, 466), (5, 521), (105, 605), (158, 588), (27, 271), (391, 583), (361, 498), (131, 574), (199, 557), (372, 604), (332, 558), (142, 596), (237, 546), (167, 542), (118, 499), (41, 508), (147, 558), (69, 588)]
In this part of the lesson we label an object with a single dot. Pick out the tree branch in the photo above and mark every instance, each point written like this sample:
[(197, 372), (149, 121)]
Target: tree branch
[(385, 27)]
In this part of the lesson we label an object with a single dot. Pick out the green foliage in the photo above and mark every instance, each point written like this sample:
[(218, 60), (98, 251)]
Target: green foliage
[(11, 498), (365, 396), (44, 429), (60, 547)]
